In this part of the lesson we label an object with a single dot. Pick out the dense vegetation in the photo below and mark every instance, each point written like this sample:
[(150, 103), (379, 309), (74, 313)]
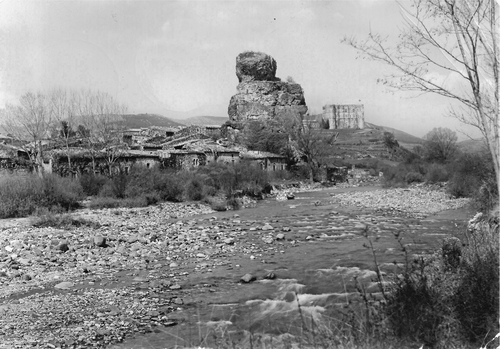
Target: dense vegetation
[(219, 185)]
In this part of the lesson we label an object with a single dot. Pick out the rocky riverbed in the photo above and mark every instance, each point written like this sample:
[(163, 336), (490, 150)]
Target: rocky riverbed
[(115, 274)]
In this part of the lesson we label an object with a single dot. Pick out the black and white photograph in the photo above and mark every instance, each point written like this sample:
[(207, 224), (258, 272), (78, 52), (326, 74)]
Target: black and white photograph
[(232, 174)]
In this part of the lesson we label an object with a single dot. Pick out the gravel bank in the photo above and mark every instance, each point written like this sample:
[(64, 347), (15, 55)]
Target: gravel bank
[(417, 202)]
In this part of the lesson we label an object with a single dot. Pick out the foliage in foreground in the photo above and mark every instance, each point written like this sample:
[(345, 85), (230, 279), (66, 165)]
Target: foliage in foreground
[(24, 195), (451, 298)]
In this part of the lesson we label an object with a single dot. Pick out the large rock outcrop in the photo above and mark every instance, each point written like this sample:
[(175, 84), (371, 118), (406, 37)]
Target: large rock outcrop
[(255, 66), (261, 95)]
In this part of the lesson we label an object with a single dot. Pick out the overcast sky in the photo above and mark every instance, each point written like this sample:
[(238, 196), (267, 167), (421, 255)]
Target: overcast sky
[(165, 56)]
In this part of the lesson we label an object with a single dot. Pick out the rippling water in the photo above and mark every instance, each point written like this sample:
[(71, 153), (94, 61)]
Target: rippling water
[(313, 279)]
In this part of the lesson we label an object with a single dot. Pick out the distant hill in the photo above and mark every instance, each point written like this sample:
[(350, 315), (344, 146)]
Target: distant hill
[(204, 120), (473, 145), (401, 136), (148, 120)]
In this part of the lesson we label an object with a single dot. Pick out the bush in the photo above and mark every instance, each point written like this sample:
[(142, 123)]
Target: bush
[(24, 195), (216, 203), (487, 196), (436, 173), (418, 306), (477, 296), (414, 177), (21, 195), (104, 202), (119, 185), (234, 203), (450, 298), (470, 172), (194, 190), (92, 184), (62, 192), (394, 176), (170, 188)]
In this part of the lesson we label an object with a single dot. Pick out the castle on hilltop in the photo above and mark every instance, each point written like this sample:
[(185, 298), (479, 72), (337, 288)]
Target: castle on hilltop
[(341, 116)]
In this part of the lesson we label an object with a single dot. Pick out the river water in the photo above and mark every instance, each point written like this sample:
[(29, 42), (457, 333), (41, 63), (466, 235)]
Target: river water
[(312, 280)]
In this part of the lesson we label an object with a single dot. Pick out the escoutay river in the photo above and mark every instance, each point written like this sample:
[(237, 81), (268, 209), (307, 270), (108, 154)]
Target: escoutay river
[(305, 255)]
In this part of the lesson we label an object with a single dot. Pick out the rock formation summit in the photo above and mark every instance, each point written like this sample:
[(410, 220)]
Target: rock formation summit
[(261, 95)]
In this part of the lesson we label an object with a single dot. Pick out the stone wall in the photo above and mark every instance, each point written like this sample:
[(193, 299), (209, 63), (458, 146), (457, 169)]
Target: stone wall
[(184, 160), (342, 116)]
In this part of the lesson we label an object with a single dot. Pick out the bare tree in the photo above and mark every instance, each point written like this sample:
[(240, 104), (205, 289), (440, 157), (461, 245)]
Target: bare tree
[(315, 146), (440, 144), (64, 112), (458, 38), (99, 117), (29, 123)]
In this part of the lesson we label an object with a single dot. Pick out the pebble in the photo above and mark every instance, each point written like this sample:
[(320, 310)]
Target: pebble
[(65, 285), (417, 201), (139, 240), (247, 278), (100, 241)]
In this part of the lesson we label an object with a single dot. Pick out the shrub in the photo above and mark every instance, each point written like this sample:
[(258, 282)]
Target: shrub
[(234, 203), (92, 184), (487, 196), (46, 218), (62, 192), (414, 177), (450, 298), (119, 184), (104, 202), (24, 195), (170, 188), (418, 306), (470, 172), (216, 203), (110, 202), (194, 190), (436, 173), (394, 177), (477, 296), (20, 195)]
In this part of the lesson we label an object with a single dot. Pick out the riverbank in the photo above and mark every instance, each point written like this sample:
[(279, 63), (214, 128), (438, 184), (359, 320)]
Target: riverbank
[(118, 273)]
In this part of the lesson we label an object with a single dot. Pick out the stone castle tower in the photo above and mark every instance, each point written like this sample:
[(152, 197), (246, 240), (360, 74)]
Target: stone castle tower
[(342, 116)]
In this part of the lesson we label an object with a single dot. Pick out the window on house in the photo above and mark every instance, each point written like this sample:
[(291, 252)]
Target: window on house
[(147, 165), (196, 162)]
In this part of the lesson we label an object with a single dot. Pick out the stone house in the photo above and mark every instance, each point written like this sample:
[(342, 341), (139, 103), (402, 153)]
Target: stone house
[(83, 162), (182, 159), (14, 159), (267, 161)]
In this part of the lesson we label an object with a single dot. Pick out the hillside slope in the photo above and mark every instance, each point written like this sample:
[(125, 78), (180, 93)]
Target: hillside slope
[(473, 145), (204, 120), (148, 120), (401, 136)]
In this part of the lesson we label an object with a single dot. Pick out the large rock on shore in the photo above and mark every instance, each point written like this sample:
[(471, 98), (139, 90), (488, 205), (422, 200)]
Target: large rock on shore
[(260, 94)]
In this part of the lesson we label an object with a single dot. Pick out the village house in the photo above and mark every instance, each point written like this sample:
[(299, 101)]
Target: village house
[(182, 159), (267, 161)]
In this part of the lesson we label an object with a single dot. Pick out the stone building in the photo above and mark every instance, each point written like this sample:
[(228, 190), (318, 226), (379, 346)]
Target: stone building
[(342, 116), (267, 161)]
